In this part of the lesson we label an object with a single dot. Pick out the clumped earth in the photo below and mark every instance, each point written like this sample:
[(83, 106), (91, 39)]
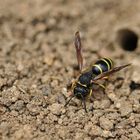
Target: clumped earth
[(37, 62)]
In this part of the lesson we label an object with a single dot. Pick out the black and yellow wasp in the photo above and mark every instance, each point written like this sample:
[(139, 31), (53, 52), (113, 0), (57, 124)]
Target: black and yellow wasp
[(83, 86)]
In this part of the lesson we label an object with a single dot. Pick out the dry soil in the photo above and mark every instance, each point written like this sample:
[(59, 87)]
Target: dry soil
[(38, 61)]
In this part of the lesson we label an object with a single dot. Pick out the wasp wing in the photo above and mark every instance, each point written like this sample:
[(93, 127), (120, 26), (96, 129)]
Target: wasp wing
[(78, 47), (105, 74)]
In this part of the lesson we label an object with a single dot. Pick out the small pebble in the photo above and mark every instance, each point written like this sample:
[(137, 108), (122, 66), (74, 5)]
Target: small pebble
[(105, 123), (107, 134), (124, 107), (49, 60), (55, 109), (19, 105)]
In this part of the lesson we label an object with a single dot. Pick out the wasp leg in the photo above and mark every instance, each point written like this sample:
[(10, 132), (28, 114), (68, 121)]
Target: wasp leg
[(90, 97), (102, 86), (69, 100), (84, 103), (106, 78)]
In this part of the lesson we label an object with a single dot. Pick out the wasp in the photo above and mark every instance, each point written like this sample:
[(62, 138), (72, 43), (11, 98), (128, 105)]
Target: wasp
[(82, 87)]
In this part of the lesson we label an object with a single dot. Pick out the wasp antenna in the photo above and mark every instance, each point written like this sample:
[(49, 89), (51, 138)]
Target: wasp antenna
[(68, 101)]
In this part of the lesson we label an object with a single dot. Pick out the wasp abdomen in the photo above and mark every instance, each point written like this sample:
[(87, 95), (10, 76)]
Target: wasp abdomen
[(102, 65)]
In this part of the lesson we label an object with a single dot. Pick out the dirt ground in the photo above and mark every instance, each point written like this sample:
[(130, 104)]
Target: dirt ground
[(38, 61)]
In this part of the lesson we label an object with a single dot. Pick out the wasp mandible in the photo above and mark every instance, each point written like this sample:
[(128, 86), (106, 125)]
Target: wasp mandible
[(83, 86)]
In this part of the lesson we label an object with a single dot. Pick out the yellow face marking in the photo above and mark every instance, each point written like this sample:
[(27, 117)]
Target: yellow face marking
[(82, 84), (106, 63), (98, 68)]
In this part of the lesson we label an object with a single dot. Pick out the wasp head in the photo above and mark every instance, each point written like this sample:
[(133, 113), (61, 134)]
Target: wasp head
[(81, 91)]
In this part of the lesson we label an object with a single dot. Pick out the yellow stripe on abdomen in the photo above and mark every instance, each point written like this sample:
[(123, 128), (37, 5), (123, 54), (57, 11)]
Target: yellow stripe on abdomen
[(111, 62), (108, 66), (97, 66)]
